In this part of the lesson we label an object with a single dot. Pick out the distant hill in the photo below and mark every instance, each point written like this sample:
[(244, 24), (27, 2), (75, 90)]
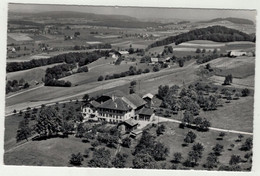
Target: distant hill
[(232, 20), (91, 19), (213, 33), (89, 16)]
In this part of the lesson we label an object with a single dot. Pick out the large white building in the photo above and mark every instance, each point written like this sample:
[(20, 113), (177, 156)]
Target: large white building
[(115, 107)]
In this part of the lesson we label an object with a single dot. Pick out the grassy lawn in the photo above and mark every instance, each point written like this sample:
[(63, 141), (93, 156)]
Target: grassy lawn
[(12, 122), (50, 152), (173, 138), (31, 75), (237, 115)]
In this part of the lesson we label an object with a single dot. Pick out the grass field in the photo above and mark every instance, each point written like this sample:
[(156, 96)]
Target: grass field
[(239, 67), (31, 75), (174, 136), (237, 115)]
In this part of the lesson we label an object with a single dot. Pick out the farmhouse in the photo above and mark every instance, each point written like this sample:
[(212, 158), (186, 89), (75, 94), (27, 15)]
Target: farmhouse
[(154, 60), (148, 98), (114, 107), (236, 53)]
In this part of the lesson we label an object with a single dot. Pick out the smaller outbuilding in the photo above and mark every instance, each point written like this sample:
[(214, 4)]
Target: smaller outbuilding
[(128, 125)]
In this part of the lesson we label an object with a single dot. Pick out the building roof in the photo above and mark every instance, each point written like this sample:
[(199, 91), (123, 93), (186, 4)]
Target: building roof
[(148, 95), (123, 52), (134, 100), (116, 93), (92, 103), (154, 59), (115, 104), (146, 111), (130, 122), (136, 132)]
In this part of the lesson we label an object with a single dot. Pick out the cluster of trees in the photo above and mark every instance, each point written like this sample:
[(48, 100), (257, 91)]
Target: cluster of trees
[(14, 85), (111, 138), (24, 130), (83, 58), (212, 158), (207, 58), (214, 33), (118, 61), (194, 155), (132, 71), (148, 151), (189, 99), (140, 52), (167, 50), (132, 87), (201, 124), (228, 79), (56, 72)]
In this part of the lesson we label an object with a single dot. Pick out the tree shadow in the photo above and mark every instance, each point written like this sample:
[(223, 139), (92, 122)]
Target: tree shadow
[(40, 138)]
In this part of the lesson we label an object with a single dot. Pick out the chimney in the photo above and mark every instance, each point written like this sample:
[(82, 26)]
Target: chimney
[(113, 97)]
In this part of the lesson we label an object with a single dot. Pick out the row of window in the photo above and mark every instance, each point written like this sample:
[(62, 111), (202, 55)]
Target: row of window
[(111, 116)]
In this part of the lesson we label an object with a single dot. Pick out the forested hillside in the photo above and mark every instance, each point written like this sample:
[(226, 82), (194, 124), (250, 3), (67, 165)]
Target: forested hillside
[(213, 33)]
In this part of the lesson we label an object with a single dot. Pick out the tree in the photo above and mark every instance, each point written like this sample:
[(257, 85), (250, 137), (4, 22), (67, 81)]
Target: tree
[(181, 62), (163, 91), (94, 144), (205, 124), (198, 147), (85, 98), (218, 149), (193, 158), (133, 83), (76, 159), (212, 161), (131, 90), (160, 130), (23, 131), (48, 122), (247, 156), (160, 152), (190, 137), (234, 160), (120, 160), (240, 136), (248, 144), (126, 142), (177, 157), (143, 161), (101, 158), (188, 118), (245, 92), (222, 135), (156, 68), (198, 50), (80, 130), (100, 78)]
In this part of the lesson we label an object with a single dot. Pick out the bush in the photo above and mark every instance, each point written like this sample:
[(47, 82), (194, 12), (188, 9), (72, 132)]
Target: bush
[(76, 159), (100, 78)]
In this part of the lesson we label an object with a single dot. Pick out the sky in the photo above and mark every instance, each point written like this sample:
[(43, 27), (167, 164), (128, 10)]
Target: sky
[(141, 13)]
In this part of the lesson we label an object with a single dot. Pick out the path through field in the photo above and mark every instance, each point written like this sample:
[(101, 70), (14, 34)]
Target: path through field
[(163, 119)]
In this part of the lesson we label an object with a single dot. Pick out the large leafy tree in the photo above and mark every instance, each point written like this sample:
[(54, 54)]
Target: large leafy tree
[(76, 159), (119, 160), (49, 122), (190, 137), (24, 131), (101, 158), (143, 161)]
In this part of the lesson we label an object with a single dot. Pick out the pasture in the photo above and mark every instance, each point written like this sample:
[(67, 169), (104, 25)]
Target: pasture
[(173, 138), (31, 75), (239, 67)]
